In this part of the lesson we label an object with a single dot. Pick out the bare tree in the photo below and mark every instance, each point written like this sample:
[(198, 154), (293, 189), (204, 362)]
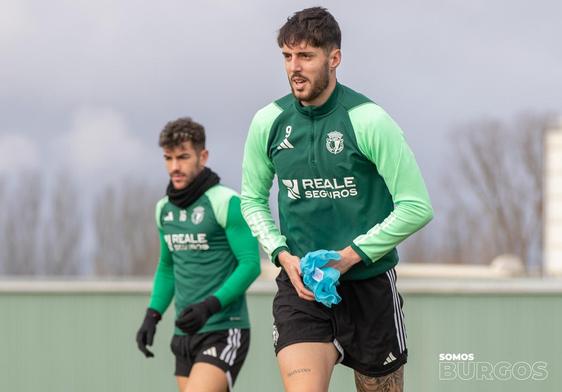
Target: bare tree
[(3, 221), (63, 228), (418, 248), (496, 191), (126, 231), (21, 225)]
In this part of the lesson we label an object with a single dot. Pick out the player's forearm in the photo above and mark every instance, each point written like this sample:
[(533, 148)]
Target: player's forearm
[(163, 288), (237, 283), (406, 218), (259, 219), (163, 283), (245, 248)]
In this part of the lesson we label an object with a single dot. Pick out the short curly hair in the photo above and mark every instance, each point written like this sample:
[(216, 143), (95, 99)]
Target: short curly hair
[(315, 26), (182, 130)]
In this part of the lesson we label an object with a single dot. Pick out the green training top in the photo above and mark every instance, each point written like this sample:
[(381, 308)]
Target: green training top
[(346, 177), (206, 249)]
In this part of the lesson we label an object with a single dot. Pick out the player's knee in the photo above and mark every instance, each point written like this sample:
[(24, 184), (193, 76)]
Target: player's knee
[(393, 382)]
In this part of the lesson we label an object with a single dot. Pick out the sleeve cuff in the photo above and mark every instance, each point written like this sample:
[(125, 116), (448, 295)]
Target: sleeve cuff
[(276, 252), (364, 258)]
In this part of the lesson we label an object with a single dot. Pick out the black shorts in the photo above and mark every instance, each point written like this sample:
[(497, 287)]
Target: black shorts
[(367, 326), (225, 349)]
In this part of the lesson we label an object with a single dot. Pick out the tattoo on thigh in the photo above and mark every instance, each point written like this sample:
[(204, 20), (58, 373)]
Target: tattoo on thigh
[(393, 382), (298, 371)]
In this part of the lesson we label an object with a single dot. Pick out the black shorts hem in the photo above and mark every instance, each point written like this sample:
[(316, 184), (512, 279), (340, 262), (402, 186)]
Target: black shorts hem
[(376, 373), (209, 347), (210, 360), (213, 361), (302, 340), (181, 374)]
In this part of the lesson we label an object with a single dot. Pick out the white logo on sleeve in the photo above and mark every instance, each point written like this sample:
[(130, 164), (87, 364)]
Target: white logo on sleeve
[(292, 189), (285, 144), (169, 217), (334, 142), (197, 215)]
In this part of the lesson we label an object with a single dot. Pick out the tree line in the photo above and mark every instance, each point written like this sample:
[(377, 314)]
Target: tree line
[(53, 229), (493, 190)]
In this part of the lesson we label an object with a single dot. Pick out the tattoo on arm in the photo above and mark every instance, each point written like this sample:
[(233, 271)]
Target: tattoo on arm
[(298, 371), (393, 382)]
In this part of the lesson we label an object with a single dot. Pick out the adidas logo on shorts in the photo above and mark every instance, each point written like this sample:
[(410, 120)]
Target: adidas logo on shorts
[(389, 359), (212, 352)]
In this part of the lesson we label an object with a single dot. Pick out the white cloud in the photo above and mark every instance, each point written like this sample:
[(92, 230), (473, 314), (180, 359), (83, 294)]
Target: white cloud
[(15, 20), (18, 153), (100, 143)]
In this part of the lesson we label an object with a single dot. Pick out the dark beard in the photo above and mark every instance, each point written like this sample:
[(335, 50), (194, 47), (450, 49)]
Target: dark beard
[(318, 86)]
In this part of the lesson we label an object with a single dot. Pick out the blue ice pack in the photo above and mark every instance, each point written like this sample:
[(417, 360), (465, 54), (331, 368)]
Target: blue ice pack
[(319, 279)]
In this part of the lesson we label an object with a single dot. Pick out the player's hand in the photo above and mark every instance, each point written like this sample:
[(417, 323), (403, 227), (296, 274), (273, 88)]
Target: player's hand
[(292, 266), (196, 315), (145, 335), (348, 259)]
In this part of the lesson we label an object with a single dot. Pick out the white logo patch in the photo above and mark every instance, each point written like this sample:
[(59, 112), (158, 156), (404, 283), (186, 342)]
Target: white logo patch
[(169, 217), (292, 189), (334, 142), (212, 352), (285, 144), (197, 215), (389, 359), (183, 215)]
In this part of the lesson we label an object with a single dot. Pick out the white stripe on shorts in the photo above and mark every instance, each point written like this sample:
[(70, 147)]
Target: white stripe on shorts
[(228, 355), (235, 346), (228, 347), (399, 307), (398, 317)]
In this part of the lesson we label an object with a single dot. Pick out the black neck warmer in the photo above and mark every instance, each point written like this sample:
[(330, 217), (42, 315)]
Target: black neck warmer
[(183, 198)]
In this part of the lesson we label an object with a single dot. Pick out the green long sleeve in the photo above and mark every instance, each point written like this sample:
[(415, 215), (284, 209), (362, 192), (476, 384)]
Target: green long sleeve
[(257, 178), (381, 140), (163, 286), (245, 249)]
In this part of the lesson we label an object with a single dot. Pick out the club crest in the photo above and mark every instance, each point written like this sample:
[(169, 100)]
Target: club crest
[(334, 142), (197, 215)]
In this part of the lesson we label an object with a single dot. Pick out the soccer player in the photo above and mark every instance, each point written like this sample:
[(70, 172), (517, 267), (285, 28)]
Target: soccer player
[(208, 258), (349, 182)]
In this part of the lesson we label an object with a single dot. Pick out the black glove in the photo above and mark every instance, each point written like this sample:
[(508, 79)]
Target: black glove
[(145, 335), (196, 315)]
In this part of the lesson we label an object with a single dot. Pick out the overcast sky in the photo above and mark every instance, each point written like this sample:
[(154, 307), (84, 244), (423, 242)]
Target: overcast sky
[(88, 85)]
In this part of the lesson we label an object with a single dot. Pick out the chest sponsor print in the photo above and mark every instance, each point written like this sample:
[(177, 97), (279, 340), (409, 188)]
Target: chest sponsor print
[(186, 241), (320, 188)]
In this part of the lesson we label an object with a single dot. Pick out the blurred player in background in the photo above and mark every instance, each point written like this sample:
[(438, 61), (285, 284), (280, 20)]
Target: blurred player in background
[(208, 258)]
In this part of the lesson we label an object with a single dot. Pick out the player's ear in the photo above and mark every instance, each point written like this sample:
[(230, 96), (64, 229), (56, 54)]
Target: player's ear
[(334, 58), (203, 157)]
